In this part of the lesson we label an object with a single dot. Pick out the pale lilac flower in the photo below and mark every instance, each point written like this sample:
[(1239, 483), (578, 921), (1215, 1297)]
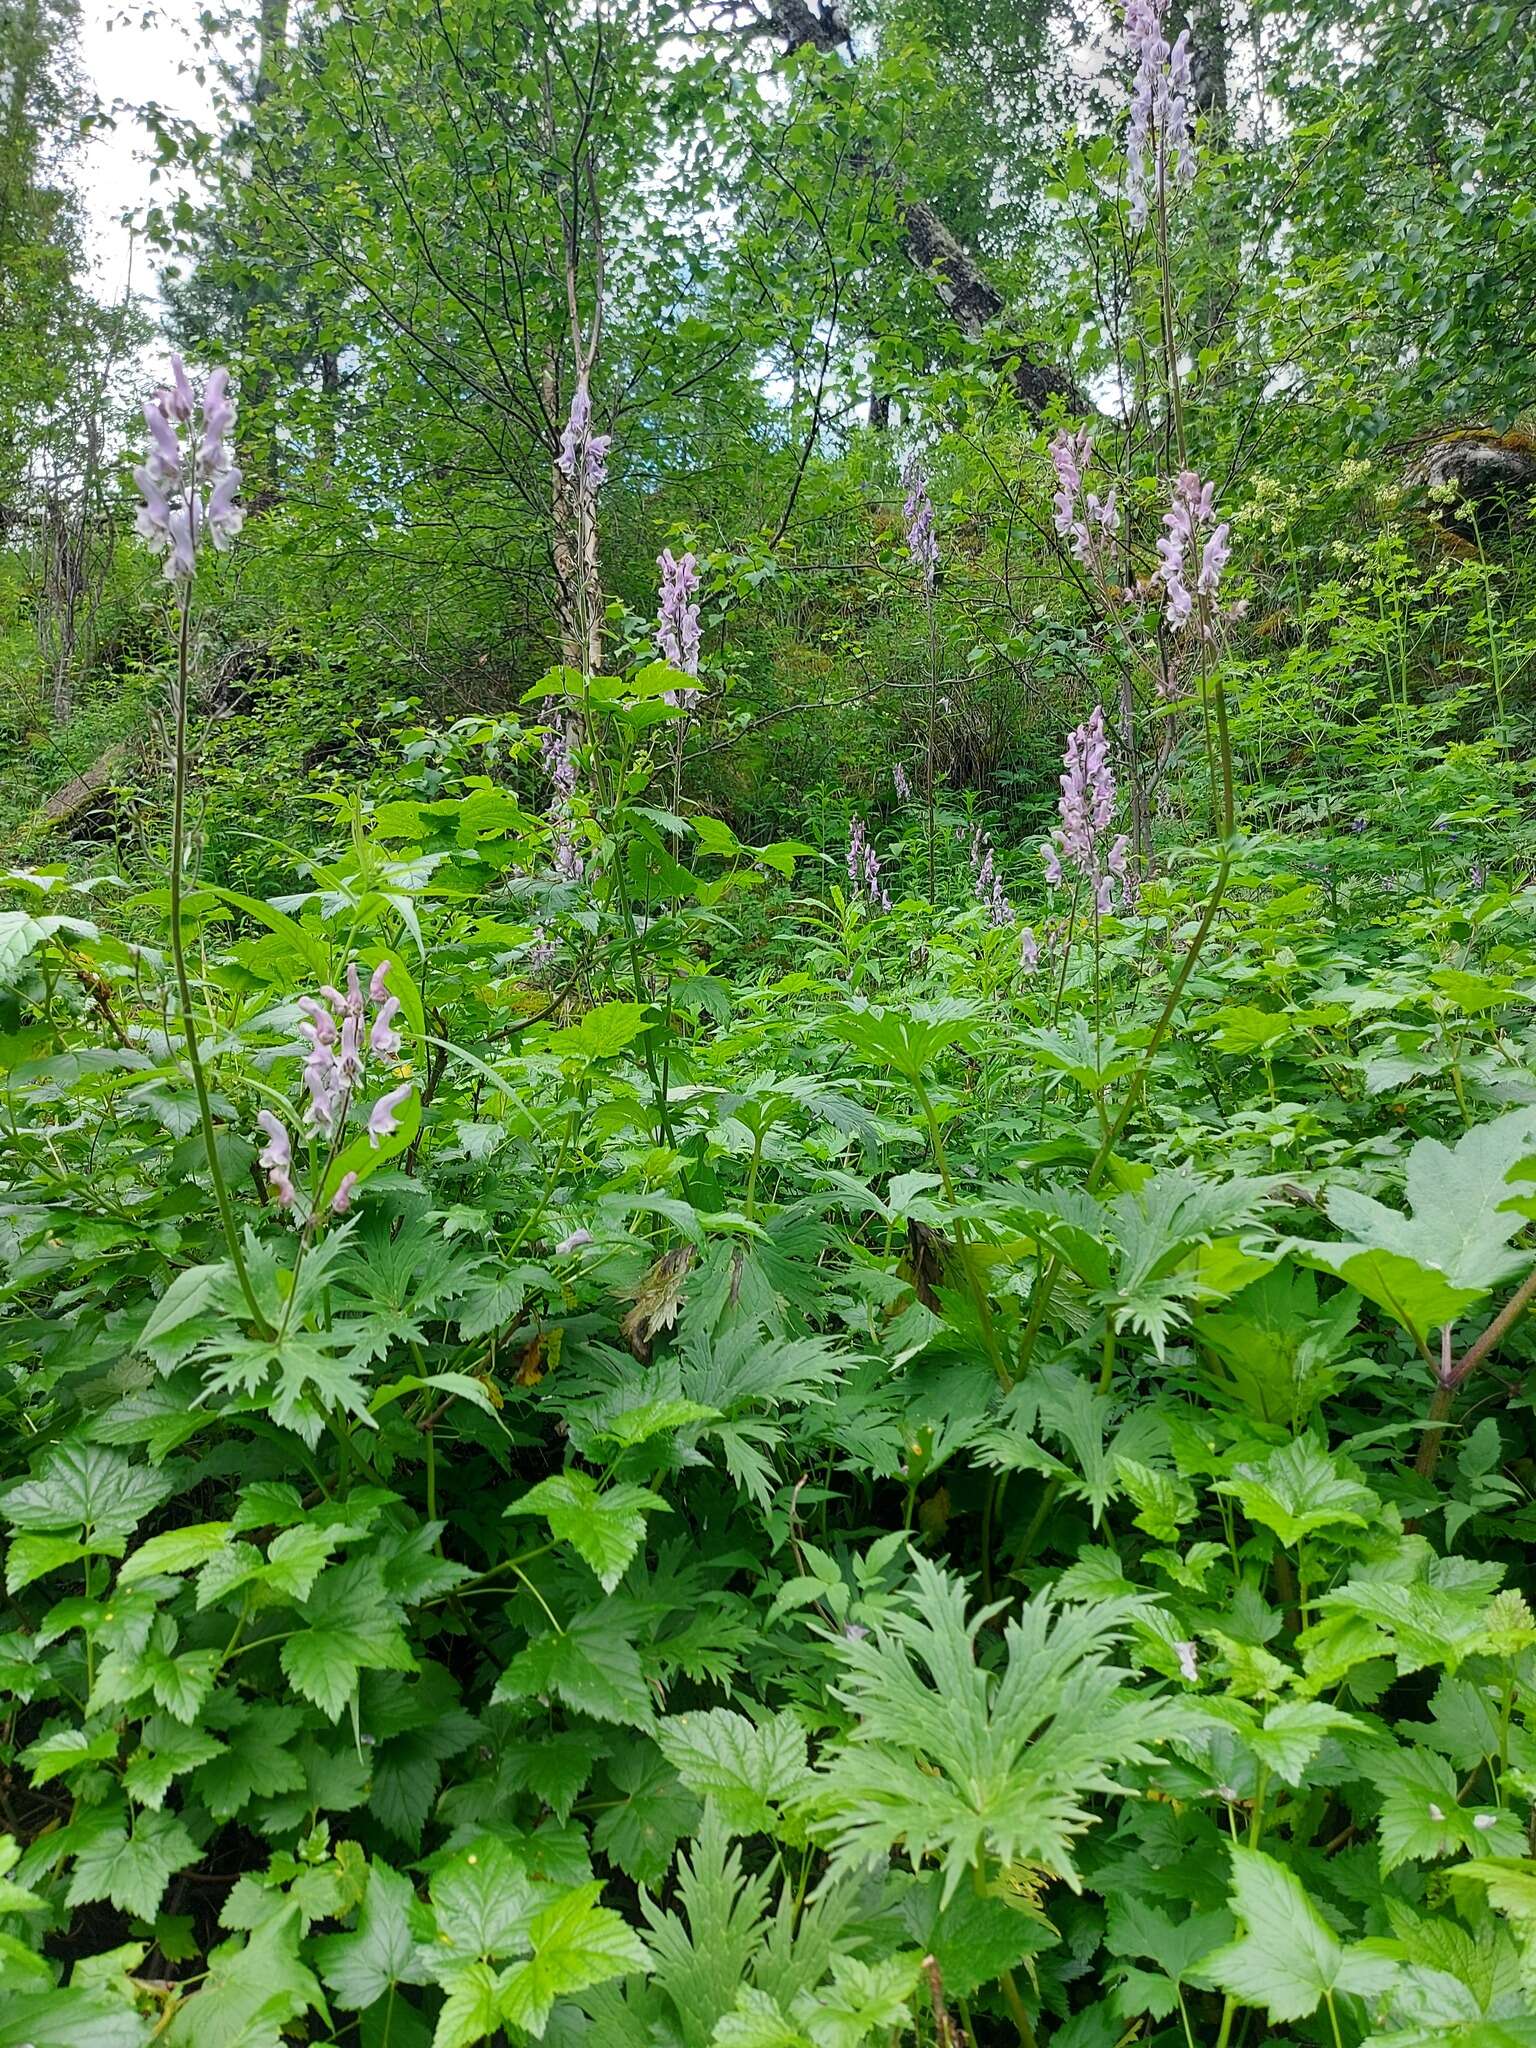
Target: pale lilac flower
[(917, 513), (573, 1243), (384, 1039), (276, 1157), (378, 985), (677, 624), (986, 882), (864, 868), (381, 1118), (583, 455), (1157, 137), (543, 950), (341, 1201), (1192, 551), (903, 787), (1086, 810), (1029, 950), (174, 516), (1081, 517), (560, 766), (180, 400)]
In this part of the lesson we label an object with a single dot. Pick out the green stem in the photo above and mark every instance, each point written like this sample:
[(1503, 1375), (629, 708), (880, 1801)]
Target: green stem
[(962, 1242), (183, 982), (1046, 1285)]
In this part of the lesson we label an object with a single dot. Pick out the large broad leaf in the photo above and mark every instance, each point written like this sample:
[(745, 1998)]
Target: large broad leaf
[(86, 1486), (1287, 1959), (908, 1040), (70, 2019), (576, 1943), (132, 1870), (592, 1666), (604, 1528), (1429, 1266), (1300, 1488), (750, 1772), (362, 1967)]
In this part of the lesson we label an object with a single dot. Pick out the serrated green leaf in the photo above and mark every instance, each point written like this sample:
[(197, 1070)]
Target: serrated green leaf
[(1286, 1959), (576, 1944), (604, 1527)]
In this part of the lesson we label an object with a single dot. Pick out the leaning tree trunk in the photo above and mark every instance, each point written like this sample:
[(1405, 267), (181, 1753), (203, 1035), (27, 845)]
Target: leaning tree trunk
[(968, 294)]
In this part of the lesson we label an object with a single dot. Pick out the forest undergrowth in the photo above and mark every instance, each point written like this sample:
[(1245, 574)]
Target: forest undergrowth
[(700, 1358)]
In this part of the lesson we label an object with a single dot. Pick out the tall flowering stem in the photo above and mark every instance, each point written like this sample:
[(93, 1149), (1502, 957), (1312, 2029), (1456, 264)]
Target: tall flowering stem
[(923, 547), (189, 486)]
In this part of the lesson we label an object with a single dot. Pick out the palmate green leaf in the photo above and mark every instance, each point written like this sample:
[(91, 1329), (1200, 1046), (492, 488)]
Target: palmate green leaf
[(1279, 1344), (71, 2019), (863, 2003), (757, 2022), (1422, 1818), (592, 1665), (1430, 1610), (977, 1935), (911, 1039), (641, 1830), (87, 1486), (1430, 1266), (470, 2012), (178, 1550), (349, 1626), (362, 1967), (576, 1943), (1300, 1488), (1286, 1959), (603, 1526), (167, 1751), (950, 1760), (132, 1868), (750, 1772), (483, 1899), (66, 1749), (253, 1990)]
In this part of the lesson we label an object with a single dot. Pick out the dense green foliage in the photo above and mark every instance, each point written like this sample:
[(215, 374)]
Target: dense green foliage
[(662, 1393)]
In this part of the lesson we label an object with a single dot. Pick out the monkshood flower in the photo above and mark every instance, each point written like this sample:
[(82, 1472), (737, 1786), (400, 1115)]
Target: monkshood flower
[(1083, 518), (1029, 950), (1086, 811), (583, 456), (1192, 554), (917, 515), (276, 1158), (677, 623), (341, 1042), (986, 882), (864, 868), (1158, 135), (902, 786), (381, 1118), (178, 514), (560, 766)]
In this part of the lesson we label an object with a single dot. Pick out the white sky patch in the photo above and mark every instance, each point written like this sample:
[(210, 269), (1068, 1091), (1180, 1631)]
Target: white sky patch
[(129, 59)]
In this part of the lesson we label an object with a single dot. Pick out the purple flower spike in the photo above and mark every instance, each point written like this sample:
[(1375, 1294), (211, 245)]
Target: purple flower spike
[(1192, 553), (1157, 138), (917, 515), (583, 456), (902, 786), (175, 517), (1086, 810), (677, 624)]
